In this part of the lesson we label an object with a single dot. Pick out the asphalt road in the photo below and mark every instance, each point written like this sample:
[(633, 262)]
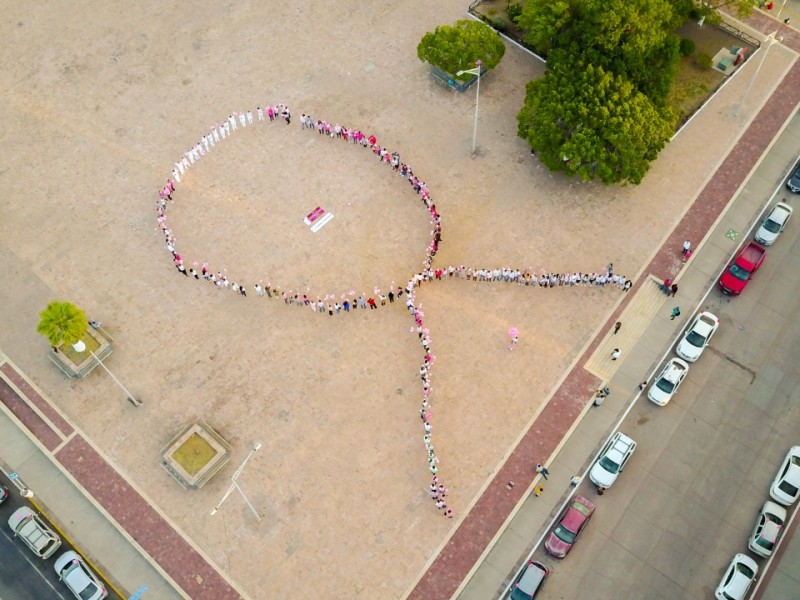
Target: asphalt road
[(688, 498), (23, 576)]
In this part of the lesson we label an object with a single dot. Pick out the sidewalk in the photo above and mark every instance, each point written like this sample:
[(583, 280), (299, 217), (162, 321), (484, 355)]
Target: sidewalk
[(473, 541), (120, 531)]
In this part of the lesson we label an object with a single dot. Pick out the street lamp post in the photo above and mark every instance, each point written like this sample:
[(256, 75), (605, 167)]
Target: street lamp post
[(477, 72), (131, 398), (235, 486), (770, 39)]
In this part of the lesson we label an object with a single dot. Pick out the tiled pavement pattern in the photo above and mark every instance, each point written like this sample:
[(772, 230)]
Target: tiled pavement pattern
[(169, 549), (479, 527), (647, 302)]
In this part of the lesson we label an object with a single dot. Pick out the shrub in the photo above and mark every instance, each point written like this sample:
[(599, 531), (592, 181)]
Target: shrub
[(703, 60), (514, 10), (687, 47), (500, 23)]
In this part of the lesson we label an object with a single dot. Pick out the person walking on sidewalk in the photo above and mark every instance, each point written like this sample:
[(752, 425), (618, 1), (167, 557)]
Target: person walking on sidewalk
[(542, 470), (686, 247), (617, 325), (674, 289), (676, 312), (616, 354)]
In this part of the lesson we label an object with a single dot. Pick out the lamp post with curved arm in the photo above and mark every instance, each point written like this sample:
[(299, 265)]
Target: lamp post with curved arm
[(477, 72)]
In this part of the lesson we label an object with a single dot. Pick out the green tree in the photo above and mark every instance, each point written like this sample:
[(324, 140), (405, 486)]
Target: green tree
[(710, 11), (545, 22), (586, 121), (62, 322), (624, 27), (458, 47)]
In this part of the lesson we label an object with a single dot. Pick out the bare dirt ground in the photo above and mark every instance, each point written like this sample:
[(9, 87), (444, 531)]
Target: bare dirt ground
[(100, 101)]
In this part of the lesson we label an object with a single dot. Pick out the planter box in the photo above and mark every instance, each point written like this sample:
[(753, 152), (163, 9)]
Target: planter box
[(98, 338), (453, 83), (195, 455)]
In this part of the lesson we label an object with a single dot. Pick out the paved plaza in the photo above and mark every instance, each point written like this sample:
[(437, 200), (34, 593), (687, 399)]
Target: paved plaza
[(100, 102)]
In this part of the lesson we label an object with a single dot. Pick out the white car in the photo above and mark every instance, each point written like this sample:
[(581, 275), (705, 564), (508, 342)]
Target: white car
[(612, 460), (668, 382), (80, 579), (737, 579), (768, 529), (37, 536), (772, 226), (697, 336), (786, 487)]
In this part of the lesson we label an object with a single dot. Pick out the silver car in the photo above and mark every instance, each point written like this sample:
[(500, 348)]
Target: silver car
[(773, 224), (78, 577), (530, 581)]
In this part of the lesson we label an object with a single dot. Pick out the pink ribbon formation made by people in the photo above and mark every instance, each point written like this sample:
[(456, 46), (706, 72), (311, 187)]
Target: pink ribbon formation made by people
[(347, 301)]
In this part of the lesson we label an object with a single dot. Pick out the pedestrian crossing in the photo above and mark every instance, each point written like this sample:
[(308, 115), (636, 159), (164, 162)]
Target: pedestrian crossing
[(647, 303)]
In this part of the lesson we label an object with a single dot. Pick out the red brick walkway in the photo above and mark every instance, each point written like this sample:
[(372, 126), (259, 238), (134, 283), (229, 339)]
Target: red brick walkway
[(109, 489), (483, 522)]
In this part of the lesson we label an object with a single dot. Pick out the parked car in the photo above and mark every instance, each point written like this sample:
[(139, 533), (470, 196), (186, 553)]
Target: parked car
[(768, 529), (3, 493), (28, 527), (737, 579), (793, 183), (786, 486), (569, 527), (78, 577), (612, 460), (740, 271), (697, 336), (530, 581), (773, 224), (668, 382)]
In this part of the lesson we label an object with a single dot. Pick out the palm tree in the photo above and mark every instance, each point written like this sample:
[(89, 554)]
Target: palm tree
[(62, 322)]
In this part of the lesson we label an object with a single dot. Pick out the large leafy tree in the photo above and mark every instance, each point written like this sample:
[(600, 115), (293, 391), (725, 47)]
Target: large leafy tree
[(589, 122), (545, 22), (62, 322), (458, 47)]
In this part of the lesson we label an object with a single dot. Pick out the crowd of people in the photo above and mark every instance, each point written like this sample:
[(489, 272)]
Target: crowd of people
[(350, 302)]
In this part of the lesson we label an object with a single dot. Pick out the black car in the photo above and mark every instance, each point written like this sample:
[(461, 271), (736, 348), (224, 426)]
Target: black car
[(794, 181)]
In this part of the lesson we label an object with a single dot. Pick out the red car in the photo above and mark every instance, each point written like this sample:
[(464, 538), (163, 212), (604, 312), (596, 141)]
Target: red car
[(741, 270), (569, 528)]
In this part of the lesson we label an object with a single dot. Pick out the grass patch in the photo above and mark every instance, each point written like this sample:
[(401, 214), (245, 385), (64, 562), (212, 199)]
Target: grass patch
[(78, 357), (691, 86), (194, 454)]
